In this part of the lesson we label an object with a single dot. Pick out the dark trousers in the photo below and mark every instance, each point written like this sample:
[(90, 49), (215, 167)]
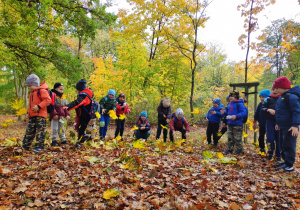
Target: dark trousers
[(261, 138), (165, 131), (182, 130), (120, 127), (212, 129), (36, 127), (142, 134), (82, 137), (288, 146), (273, 140)]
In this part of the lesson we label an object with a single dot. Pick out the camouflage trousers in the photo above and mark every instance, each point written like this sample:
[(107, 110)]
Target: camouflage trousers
[(235, 134), (36, 127)]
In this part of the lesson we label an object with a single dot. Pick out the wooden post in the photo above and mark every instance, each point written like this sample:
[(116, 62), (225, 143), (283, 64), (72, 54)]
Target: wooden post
[(255, 105)]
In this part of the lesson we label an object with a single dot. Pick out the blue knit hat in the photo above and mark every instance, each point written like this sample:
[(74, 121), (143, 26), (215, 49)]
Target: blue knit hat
[(112, 92), (265, 93), (217, 101), (143, 114)]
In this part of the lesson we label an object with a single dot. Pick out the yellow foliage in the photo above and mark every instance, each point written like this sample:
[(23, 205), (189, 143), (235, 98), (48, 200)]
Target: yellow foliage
[(164, 127), (5, 125), (17, 104), (21, 111), (134, 128), (196, 111), (122, 116), (139, 144), (244, 134), (112, 114), (110, 193)]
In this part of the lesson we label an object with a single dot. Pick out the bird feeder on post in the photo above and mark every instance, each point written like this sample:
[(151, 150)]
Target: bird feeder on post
[(247, 86)]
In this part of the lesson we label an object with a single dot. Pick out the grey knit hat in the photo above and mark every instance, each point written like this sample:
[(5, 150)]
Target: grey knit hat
[(33, 79), (166, 102), (179, 113)]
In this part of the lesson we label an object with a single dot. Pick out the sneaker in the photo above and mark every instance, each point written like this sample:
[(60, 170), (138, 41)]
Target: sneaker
[(64, 142), (228, 151), (77, 145), (278, 159), (278, 164), (26, 148), (270, 157), (288, 169), (54, 143), (37, 149), (281, 167)]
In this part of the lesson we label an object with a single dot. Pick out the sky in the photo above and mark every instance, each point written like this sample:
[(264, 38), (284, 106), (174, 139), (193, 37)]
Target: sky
[(226, 24)]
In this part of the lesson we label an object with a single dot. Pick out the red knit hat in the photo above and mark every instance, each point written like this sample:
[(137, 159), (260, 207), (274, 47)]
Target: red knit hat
[(282, 82)]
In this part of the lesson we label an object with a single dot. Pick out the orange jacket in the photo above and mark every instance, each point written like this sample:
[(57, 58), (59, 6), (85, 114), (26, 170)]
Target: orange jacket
[(34, 99)]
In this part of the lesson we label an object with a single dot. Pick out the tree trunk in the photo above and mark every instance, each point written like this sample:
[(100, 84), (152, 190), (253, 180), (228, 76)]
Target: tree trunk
[(16, 83)]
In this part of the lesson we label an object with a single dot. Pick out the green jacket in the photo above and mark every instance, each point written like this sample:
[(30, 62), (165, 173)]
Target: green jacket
[(108, 104)]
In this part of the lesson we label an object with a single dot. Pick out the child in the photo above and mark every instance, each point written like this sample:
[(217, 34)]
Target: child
[(214, 117), (58, 113), (122, 108), (37, 113), (235, 112), (287, 113), (260, 117), (107, 103), (268, 108), (143, 125), (82, 106), (178, 123), (164, 116)]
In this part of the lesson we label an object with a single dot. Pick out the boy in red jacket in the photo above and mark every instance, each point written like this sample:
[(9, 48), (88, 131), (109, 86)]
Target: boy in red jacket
[(178, 123), (122, 108), (37, 113)]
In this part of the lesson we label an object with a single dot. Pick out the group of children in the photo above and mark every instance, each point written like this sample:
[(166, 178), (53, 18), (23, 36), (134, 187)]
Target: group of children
[(278, 115)]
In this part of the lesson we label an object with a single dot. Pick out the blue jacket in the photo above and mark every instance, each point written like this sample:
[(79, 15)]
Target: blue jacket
[(215, 117), (288, 108), (260, 116), (238, 109)]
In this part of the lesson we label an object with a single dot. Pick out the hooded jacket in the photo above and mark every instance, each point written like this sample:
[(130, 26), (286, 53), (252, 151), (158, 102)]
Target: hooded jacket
[(82, 101), (288, 109), (161, 110), (58, 109), (42, 101), (179, 125), (121, 110), (270, 103), (238, 109), (215, 117), (140, 123)]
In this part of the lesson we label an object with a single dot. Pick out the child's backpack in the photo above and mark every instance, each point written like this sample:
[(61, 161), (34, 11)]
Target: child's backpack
[(175, 119), (51, 107), (94, 106)]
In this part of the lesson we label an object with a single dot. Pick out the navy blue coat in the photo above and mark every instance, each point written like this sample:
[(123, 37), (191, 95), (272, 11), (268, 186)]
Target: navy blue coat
[(270, 103), (288, 109), (259, 115)]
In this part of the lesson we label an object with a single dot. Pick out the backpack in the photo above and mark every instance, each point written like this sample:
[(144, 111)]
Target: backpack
[(94, 106), (51, 106), (175, 119), (245, 119)]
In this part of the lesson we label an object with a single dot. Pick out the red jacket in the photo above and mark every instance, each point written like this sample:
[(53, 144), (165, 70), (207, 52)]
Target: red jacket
[(178, 125), (120, 110), (42, 101)]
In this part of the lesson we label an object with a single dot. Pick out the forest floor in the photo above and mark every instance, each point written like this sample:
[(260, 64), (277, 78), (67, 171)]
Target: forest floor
[(124, 175)]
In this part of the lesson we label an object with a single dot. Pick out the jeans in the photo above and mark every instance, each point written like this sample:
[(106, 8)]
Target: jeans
[(273, 139), (288, 146), (104, 122)]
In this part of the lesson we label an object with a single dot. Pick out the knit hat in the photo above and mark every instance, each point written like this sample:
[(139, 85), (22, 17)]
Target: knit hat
[(282, 82), (122, 95), (143, 114), (265, 93), (58, 84), (33, 79), (179, 113), (111, 92), (234, 94), (217, 101), (227, 98), (81, 85), (166, 102)]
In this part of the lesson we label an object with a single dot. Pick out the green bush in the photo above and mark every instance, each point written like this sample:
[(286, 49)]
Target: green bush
[(6, 109)]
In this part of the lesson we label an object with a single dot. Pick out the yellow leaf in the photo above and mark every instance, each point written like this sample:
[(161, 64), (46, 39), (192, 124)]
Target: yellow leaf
[(220, 155), (204, 138), (255, 130), (112, 114), (212, 169), (134, 128), (18, 104), (138, 144), (219, 134), (21, 112), (164, 127), (196, 111), (122, 116), (244, 134), (97, 115), (195, 126), (189, 150), (4, 125), (118, 138), (110, 193)]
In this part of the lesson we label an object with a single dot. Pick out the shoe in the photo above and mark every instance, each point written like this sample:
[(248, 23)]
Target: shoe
[(270, 157), (54, 143), (77, 145), (262, 150), (239, 153), (64, 142), (288, 169), (228, 151), (281, 167), (278, 159), (278, 164), (37, 149), (26, 148)]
